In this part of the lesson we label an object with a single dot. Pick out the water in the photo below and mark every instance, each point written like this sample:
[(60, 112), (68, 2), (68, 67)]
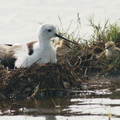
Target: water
[(82, 105), (19, 20), (100, 100)]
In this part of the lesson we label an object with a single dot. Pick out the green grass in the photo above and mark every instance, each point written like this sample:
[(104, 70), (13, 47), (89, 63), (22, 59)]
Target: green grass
[(106, 32), (113, 32)]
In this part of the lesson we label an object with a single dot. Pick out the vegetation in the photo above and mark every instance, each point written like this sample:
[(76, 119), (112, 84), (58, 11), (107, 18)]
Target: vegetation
[(70, 71), (109, 32)]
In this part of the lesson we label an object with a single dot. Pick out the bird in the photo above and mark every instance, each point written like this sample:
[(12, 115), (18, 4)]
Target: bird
[(111, 51), (62, 47), (7, 57), (41, 51)]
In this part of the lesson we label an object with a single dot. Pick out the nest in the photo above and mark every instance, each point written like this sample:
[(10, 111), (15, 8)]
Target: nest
[(33, 81), (43, 80)]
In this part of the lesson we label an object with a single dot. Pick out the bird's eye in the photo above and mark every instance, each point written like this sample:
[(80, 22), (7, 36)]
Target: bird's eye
[(49, 30)]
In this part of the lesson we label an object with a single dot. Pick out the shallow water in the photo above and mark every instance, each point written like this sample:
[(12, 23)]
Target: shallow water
[(100, 100), (82, 105)]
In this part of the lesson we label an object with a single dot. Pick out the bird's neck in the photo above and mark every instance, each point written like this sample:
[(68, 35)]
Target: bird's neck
[(45, 42)]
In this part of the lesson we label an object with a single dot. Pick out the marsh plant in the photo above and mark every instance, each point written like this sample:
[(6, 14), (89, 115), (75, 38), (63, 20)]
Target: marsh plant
[(95, 44), (105, 32), (101, 35), (73, 35)]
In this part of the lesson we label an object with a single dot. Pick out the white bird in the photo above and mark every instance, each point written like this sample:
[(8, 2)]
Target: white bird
[(24, 55), (41, 51)]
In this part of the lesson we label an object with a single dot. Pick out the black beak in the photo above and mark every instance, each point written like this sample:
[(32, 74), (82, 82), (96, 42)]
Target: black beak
[(108, 47), (64, 38)]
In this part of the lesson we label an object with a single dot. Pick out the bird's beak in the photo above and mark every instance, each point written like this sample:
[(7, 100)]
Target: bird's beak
[(108, 47), (64, 38)]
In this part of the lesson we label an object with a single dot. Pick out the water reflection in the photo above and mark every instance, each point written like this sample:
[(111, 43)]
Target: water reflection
[(77, 105)]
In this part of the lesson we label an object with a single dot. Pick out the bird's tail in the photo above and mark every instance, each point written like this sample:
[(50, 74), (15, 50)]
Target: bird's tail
[(21, 55)]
